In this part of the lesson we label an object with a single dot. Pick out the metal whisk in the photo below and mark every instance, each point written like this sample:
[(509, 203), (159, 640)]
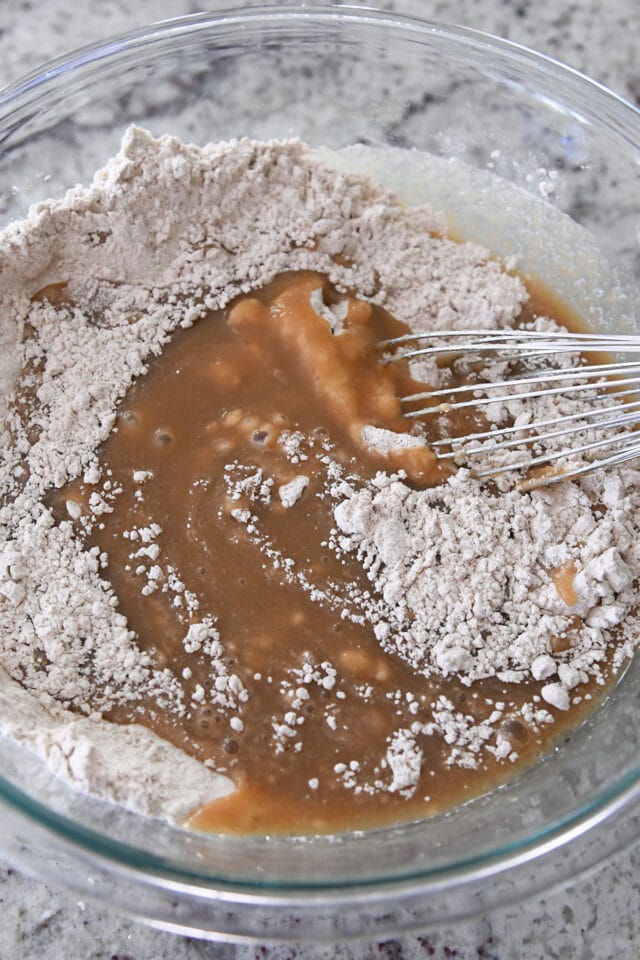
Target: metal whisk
[(542, 369)]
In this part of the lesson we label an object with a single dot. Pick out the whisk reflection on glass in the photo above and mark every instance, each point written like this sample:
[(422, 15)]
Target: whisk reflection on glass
[(534, 366)]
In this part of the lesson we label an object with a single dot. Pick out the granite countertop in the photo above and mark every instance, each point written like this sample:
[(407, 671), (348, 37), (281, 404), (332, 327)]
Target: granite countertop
[(597, 918)]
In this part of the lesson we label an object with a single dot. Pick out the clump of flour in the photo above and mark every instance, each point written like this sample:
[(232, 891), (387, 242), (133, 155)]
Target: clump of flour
[(462, 573)]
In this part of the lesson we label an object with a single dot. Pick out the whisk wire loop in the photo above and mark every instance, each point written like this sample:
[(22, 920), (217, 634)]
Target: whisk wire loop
[(546, 365)]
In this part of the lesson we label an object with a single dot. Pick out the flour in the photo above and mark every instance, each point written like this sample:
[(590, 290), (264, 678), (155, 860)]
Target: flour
[(386, 441), (462, 574), (291, 492), (460, 580), (125, 764), (404, 759)]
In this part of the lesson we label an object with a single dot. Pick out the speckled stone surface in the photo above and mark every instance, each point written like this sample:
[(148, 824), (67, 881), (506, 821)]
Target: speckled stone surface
[(596, 919)]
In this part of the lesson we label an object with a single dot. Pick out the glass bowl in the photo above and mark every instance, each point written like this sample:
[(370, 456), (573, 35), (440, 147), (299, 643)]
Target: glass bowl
[(525, 155)]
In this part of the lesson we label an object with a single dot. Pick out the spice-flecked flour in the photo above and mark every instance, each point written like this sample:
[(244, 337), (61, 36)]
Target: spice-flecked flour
[(461, 575)]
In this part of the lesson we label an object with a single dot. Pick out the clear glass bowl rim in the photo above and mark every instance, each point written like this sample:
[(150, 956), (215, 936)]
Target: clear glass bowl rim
[(601, 103)]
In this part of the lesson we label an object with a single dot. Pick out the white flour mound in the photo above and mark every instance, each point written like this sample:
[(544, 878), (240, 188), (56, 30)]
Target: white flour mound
[(462, 573), (128, 764), (164, 233)]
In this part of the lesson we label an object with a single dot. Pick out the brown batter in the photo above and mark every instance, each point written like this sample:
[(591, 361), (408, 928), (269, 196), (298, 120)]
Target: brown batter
[(213, 407)]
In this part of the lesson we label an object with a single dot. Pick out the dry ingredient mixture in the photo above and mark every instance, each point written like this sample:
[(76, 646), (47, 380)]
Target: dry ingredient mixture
[(230, 585)]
